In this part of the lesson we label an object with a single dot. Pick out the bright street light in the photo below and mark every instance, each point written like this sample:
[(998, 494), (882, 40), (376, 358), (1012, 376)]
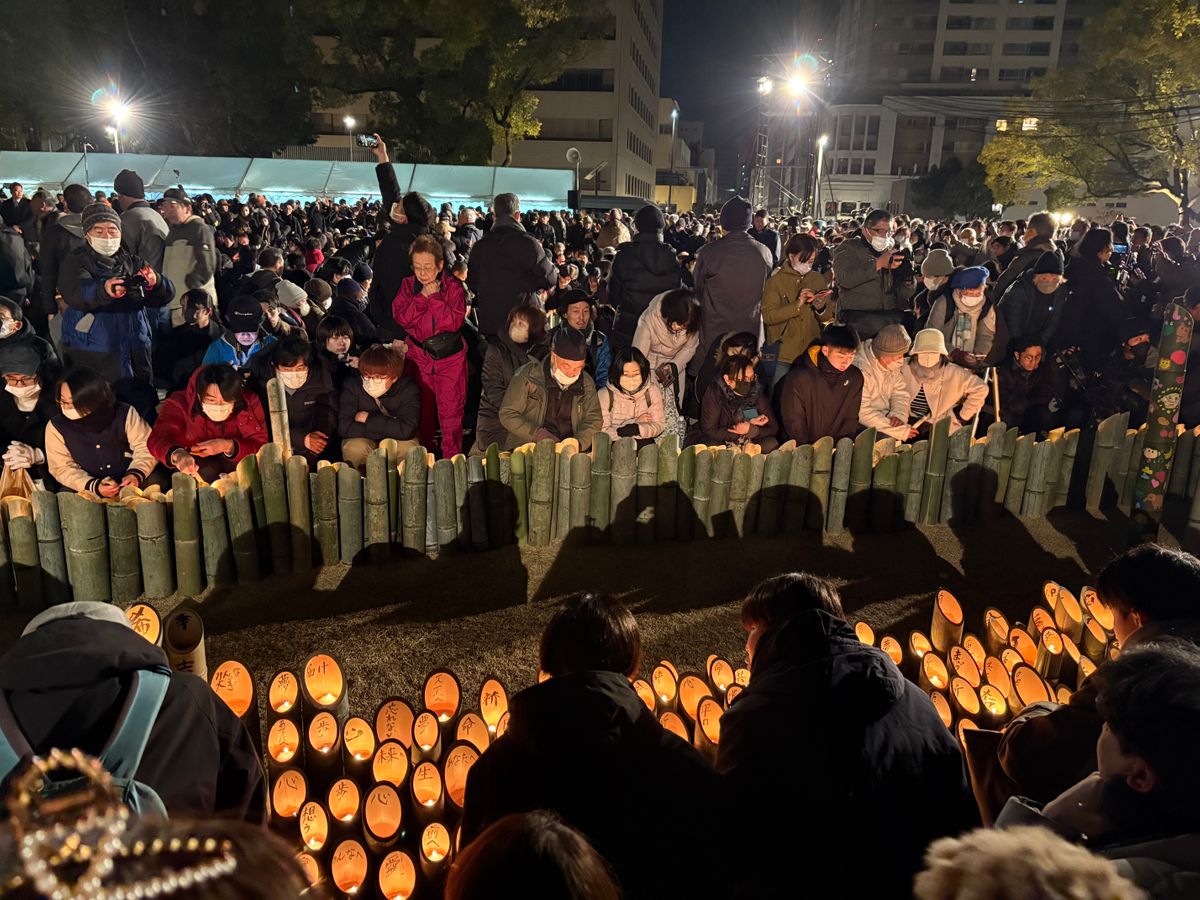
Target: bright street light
[(795, 85), (823, 140), (765, 85), (349, 121)]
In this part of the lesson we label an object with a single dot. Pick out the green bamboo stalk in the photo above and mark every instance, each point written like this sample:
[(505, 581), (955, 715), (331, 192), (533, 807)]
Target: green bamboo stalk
[(775, 475), (1181, 462), (1132, 470), (392, 447), (521, 494), (904, 470), (27, 569), (839, 486), (214, 533), (646, 493), (1022, 460), (1120, 466), (250, 477), (156, 548), (477, 502), (56, 581), (739, 492), (414, 498), (958, 453), (935, 472), (447, 515), (562, 508), (758, 470), (1006, 458), (378, 529), (350, 512), (189, 566), (300, 517), (915, 488), (461, 518), (883, 486), (798, 494), (599, 500), (973, 479), (431, 536), (241, 534), (668, 488), (624, 483), (274, 480), (1033, 506), (277, 406), (8, 590), (989, 500), (858, 493), (325, 515), (1109, 435), (718, 502), (819, 483), (685, 512), (498, 530), (581, 489), (508, 504), (702, 489), (541, 494)]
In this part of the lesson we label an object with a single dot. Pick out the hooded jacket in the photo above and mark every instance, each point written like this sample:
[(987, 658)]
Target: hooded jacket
[(951, 386), (190, 259), (181, 423), (1030, 313), (661, 345), (795, 325), (523, 410), (226, 349), (584, 746), (730, 274), (500, 362), (144, 233), (507, 266), (423, 315), (642, 269), (66, 678), (721, 409), (59, 240), (1025, 260), (817, 400), (643, 408), (396, 414), (885, 395), (826, 747), (1092, 317)]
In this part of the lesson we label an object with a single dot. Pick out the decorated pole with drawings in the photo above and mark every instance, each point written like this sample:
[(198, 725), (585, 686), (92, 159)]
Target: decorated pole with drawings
[(1162, 421)]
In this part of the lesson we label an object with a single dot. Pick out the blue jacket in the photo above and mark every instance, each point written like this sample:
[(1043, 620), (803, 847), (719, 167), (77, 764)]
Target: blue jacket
[(226, 349), (117, 326)]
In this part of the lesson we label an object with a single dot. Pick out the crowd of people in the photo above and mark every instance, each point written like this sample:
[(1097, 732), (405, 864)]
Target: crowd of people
[(137, 336), (834, 775)]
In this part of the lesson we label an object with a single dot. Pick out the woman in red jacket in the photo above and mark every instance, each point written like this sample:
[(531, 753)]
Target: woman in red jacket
[(206, 428), (431, 308)]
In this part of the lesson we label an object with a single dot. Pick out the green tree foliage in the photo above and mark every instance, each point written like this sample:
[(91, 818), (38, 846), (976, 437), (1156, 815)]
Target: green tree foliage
[(1121, 121), (954, 189)]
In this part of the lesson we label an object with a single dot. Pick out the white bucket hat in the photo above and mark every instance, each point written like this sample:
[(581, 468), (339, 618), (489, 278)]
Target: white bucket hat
[(929, 340)]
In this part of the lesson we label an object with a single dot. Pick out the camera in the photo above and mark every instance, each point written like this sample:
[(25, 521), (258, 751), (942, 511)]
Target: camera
[(366, 140), (135, 287)]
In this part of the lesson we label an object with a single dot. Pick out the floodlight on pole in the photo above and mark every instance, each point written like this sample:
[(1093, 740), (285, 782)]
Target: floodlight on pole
[(765, 85), (796, 85), (350, 122), (115, 134)]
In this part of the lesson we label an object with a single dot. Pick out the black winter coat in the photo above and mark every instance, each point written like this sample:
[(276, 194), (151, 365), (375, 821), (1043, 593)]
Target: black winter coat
[(394, 415), (1092, 317), (16, 266), (500, 362), (507, 266), (641, 270), (816, 400), (586, 747), (30, 427), (58, 241), (833, 754), (365, 331), (311, 407), (66, 682)]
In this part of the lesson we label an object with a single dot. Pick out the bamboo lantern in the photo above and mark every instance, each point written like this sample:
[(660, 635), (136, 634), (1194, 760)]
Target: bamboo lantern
[(145, 621), (1028, 687), (962, 665), (708, 727), (1011, 658), (670, 668), (742, 677), (720, 674), (997, 675), (934, 675), (1097, 610), (323, 753), (471, 728), (995, 627), (348, 867), (394, 721), (288, 794), (942, 705), (865, 634), (435, 852), (974, 646), (1063, 694), (918, 646), (426, 738), (233, 683), (183, 639), (344, 802), (946, 630), (692, 688), (965, 725), (358, 746), (735, 691), (963, 699), (283, 744), (502, 725), (1070, 660), (542, 676), (1068, 615), (1040, 619), (382, 816), (1022, 641), (1049, 654), (310, 867), (397, 876), (993, 705), (454, 773), (1050, 591), (1095, 640), (892, 648), (282, 695), (493, 702), (1086, 669), (645, 693), (390, 764), (323, 687), (674, 724), (314, 826), (666, 687), (443, 694), (1114, 650)]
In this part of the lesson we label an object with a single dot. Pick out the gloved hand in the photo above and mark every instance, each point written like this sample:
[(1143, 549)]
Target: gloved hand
[(22, 456), (630, 430)]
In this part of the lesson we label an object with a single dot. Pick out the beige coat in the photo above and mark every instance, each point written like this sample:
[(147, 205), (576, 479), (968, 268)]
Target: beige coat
[(952, 385), (793, 323), (643, 409), (661, 345)]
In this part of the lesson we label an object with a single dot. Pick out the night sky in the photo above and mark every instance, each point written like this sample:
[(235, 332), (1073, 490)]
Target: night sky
[(711, 59)]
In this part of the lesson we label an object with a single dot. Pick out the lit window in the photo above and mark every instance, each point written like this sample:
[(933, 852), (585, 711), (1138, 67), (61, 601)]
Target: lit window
[(1002, 124), (1029, 123)]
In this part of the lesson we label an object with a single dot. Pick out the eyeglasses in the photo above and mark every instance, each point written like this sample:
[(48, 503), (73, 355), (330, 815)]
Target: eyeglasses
[(20, 380), (881, 232)]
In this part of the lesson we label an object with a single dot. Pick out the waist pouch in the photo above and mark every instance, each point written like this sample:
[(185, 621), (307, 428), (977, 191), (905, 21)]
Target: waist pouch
[(447, 343)]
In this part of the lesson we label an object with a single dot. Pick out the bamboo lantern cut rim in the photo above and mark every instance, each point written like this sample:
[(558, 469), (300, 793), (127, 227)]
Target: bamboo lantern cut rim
[(1011, 658), (919, 644), (996, 623), (394, 721), (1096, 609), (1087, 669), (283, 741), (645, 693), (665, 684), (383, 813), (735, 691), (935, 671), (949, 606), (179, 633), (397, 876), (344, 800), (942, 705), (974, 646), (390, 764), (358, 738), (670, 667), (442, 694), (1052, 641), (1051, 590), (1040, 619), (865, 633), (288, 793), (310, 867), (233, 683), (1029, 686), (708, 719), (1022, 641), (323, 732), (692, 689), (459, 760), (471, 729), (963, 664), (993, 700), (425, 731), (324, 680), (998, 676), (892, 648), (1070, 648), (283, 692), (1063, 694), (672, 723), (502, 725), (144, 619), (741, 676), (493, 701), (965, 725), (1071, 610), (435, 842), (964, 694), (426, 784), (348, 866), (314, 826), (721, 674)]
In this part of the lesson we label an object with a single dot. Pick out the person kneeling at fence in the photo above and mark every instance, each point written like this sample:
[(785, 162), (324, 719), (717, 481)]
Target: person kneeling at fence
[(206, 428), (736, 410), (96, 444), (312, 412), (553, 399), (585, 746), (940, 388), (26, 406), (822, 394), (632, 406), (832, 749), (380, 402)]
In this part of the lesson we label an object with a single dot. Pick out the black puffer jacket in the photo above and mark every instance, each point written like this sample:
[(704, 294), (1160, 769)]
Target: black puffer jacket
[(500, 362), (586, 747), (642, 269), (1092, 317), (507, 266), (831, 751), (396, 414)]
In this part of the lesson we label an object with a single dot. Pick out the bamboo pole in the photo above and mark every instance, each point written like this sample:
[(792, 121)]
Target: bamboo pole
[(915, 488), (277, 405), (214, 532), (86, 540), (718, 501), (241, 534), (23, 543), (477, 502), (1006, 458), (989, 497), (858, 495), (819, 484), (1058, 448), (378, 528), (739, 493), (350, 514), (624, 483), (758, 470), (189, 570), (958, 455), (274, 481), (600, 496), (1128, 450), (498, 528), (770, 507), (431, 538), (646, 493), (541, 494), (56, 581), (581, 489), (300, 513), (155, 548), (8, 589), (1033, 505), (797, 493), (325, 514), (883, 486), (392, 447), (447, 511), (519, 465), (839, 486), (413, 499), (508, 506), (667, 489), (904, 470), (702, 490), (935, 472), (1109, 435), (250, 478), (1022, 459), (685, 512), (461, 518), (562, 508), (973, 479)]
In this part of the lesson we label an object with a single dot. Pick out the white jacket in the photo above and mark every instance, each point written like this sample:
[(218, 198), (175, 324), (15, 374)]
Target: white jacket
[(661, 345), (885, 394), (951, 386)]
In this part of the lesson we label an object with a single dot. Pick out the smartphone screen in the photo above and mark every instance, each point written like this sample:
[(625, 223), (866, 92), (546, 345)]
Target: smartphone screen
[(366, 140), (750, 414)]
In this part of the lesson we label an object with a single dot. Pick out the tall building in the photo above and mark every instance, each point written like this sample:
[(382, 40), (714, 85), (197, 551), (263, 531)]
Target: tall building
[(674, 178)]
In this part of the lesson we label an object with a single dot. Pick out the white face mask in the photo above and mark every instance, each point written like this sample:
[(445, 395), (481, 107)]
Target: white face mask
[(564, 381), (968, 302), (293, 380), (933, 282), (72, 413), (803, 268), (375, 387), (104, 246), (518, 333), (928, 360), (629, 385), (880, 244), (27, 394), (218, 412), (9, 328)]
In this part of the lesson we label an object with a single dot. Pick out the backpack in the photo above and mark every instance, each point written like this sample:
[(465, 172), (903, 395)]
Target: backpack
[(122, 754)]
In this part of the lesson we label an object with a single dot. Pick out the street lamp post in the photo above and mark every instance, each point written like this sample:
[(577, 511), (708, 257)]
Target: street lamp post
[(115, 134), (350, 123), (671, 177), (821, 142)]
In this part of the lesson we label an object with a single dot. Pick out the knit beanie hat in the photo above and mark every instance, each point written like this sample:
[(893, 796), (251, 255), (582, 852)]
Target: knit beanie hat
[(363, 272), (129, 184), (1049, 263), (95, 213), (937, 264), (892, 339), (969, 279), (649, 219), (737, 214), (569, 344)]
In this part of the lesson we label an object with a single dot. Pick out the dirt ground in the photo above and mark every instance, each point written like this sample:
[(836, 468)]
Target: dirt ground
[(482, 613)]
